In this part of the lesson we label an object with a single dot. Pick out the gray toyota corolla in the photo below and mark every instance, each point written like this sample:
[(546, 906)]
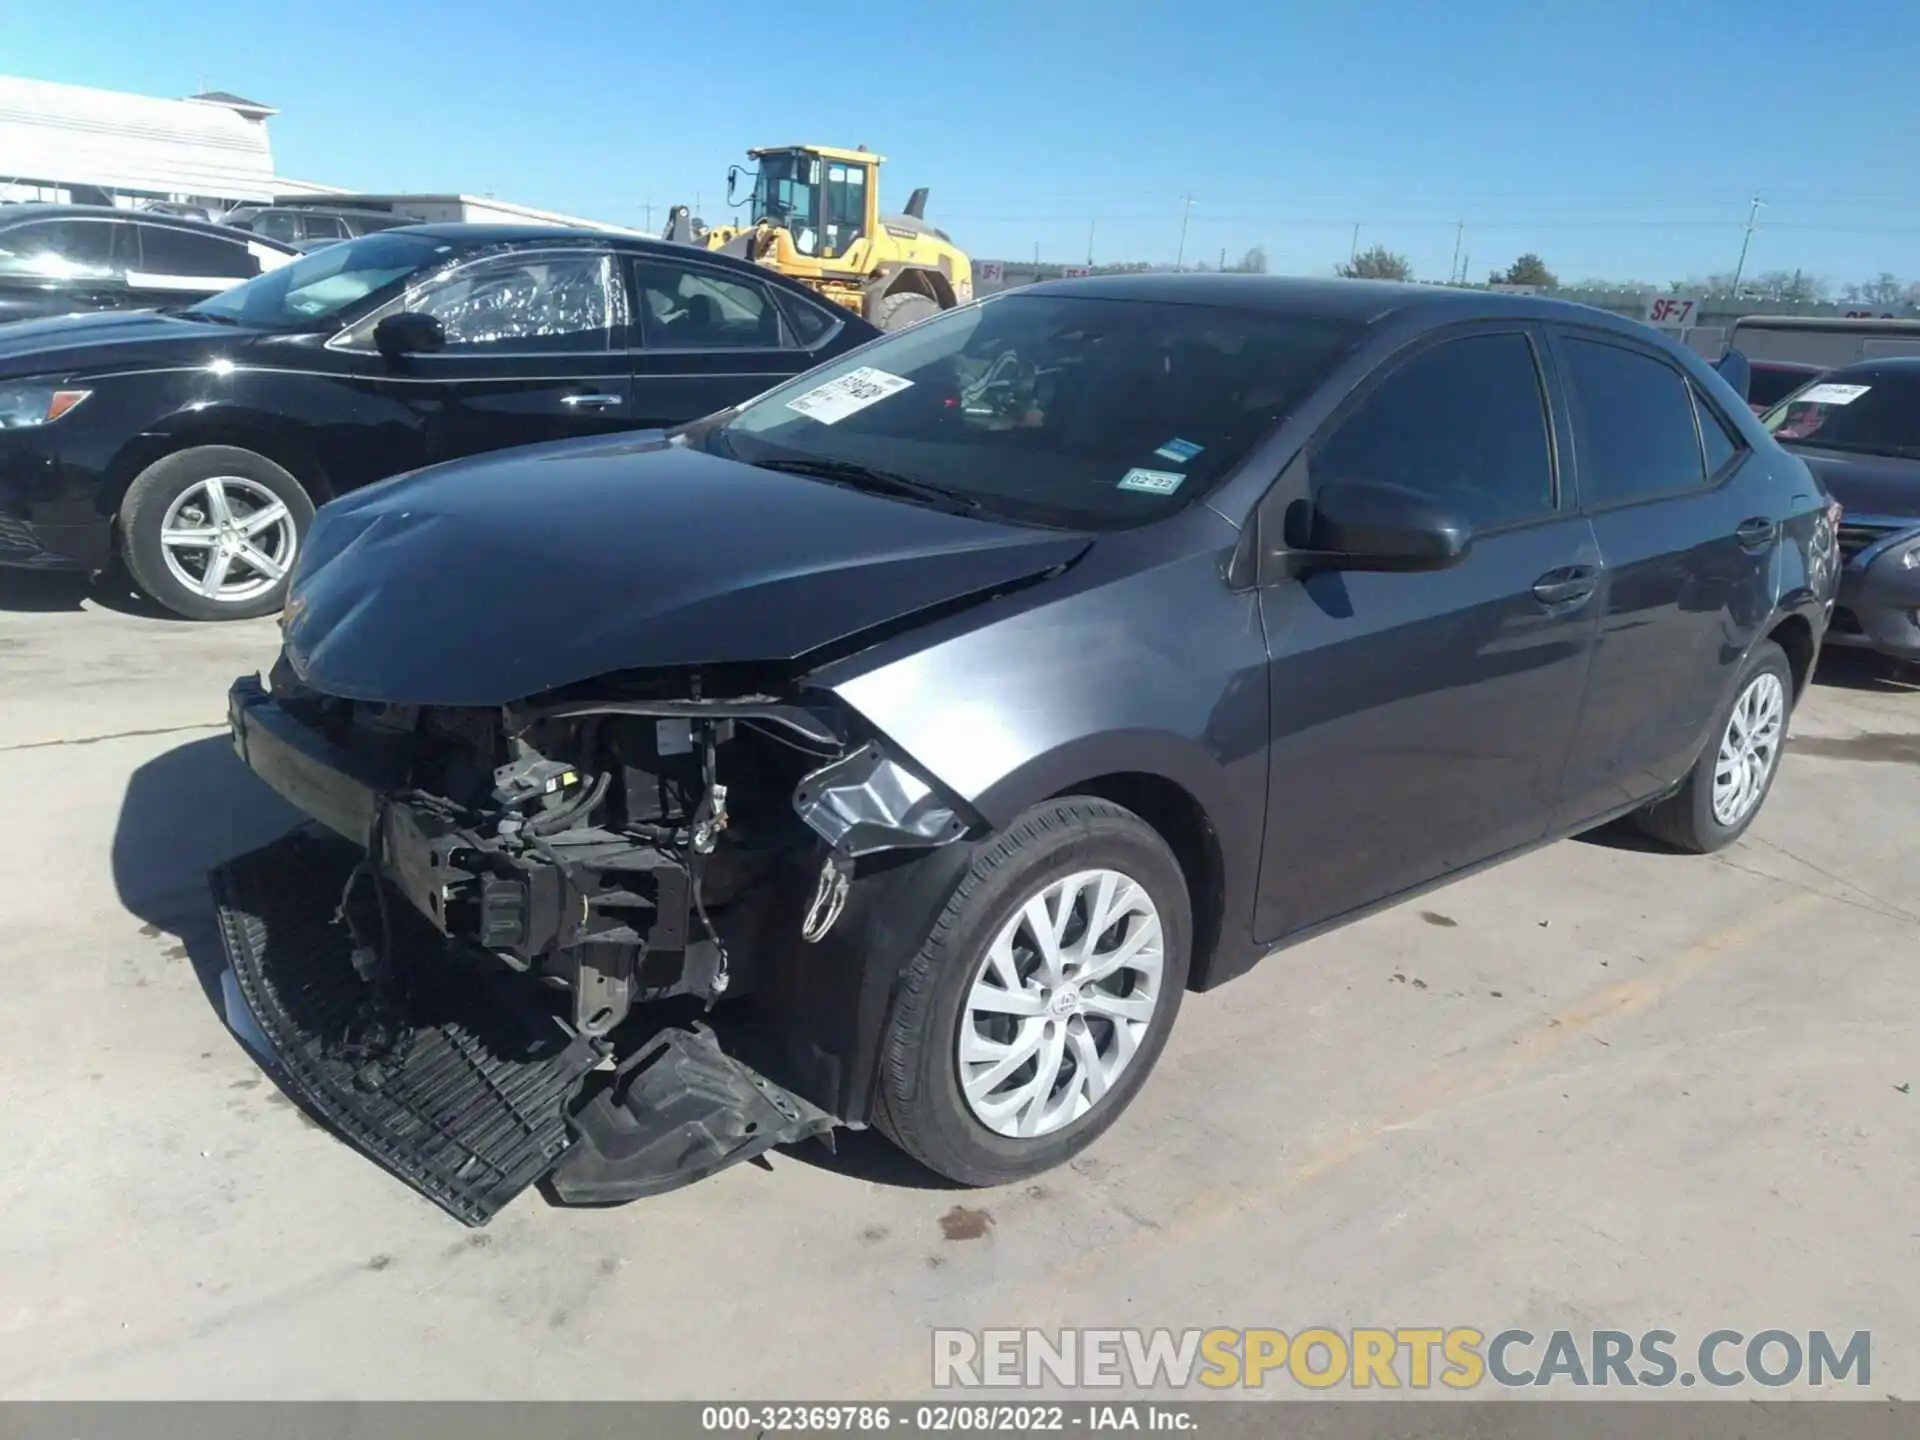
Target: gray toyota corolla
[(898, 747)]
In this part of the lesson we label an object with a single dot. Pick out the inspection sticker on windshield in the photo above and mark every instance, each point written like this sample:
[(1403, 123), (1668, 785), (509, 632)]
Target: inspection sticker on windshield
[(1831, 395), (1151, 482), (1179, 451), (851, 392)]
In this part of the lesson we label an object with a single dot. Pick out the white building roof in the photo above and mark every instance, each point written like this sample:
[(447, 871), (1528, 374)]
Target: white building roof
[(71, 134)]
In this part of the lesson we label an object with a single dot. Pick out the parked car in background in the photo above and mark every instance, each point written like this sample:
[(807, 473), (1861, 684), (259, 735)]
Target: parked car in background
[(966, 700), (195, 443), (293, 224), (1859, 428), (1771, 381), (63, 259), (1822, 341)]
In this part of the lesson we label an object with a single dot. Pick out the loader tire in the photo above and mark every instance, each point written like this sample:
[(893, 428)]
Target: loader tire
[(904, 308)]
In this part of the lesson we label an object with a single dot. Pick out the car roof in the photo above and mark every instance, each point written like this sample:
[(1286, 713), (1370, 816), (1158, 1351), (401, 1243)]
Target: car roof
[(1361, 301), (39, 210), (1879, 365), (470, 236)]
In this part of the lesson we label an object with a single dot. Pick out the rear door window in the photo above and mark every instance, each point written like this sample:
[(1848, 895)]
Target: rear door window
[(684, 308), (1636, 436), (1465, 422), (169, 255)]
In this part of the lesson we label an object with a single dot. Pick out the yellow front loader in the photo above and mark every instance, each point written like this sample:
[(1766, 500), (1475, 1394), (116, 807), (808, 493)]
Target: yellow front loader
[(815, 215)]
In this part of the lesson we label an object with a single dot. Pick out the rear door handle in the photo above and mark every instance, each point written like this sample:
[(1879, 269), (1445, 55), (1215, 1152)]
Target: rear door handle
[(590, 402), (1569, 586), (1756, 533)]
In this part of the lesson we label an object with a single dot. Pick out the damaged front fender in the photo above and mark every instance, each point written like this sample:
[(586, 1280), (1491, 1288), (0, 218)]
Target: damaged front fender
[(866, 802)]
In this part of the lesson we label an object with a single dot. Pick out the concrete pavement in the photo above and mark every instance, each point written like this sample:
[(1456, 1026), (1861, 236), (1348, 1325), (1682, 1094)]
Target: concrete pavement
[(1600, 1087)]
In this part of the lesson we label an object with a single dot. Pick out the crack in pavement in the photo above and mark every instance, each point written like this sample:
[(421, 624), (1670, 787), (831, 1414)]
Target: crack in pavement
[(116, 735)]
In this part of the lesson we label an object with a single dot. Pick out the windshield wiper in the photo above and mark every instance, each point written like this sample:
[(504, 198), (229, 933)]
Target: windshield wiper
[(866, 477), (210, 316)]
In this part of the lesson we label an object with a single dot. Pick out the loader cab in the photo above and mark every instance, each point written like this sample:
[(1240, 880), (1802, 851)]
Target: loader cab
[(825, 198)]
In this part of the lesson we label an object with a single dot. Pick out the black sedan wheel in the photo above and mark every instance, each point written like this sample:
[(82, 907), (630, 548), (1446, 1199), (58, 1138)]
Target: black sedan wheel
[(1037, 1007), (212, 532)]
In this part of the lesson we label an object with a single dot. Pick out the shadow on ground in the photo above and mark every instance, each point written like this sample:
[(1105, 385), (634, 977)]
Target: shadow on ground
[(868, 1155), (52, 591), (183, 813)]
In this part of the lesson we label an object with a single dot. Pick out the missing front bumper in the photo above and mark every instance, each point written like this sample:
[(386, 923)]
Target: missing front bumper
[(485, 1092)]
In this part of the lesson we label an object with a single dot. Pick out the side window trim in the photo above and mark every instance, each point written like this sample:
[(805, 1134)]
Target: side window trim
[(1425, 344), (640, 324), (1560, 332), (1705, 414), (344, 339)]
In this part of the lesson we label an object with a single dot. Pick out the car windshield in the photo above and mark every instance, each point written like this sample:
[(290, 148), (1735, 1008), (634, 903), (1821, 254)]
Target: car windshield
[(1052, 409), (1874, 412), (313, 291), (1767, 387)]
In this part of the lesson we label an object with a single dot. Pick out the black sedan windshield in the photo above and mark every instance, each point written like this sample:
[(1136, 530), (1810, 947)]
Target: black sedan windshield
[(1060, 410), (313, 291), (1874, 412)]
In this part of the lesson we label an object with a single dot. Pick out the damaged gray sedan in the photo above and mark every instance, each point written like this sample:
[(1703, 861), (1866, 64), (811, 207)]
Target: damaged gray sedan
[(898, 747)]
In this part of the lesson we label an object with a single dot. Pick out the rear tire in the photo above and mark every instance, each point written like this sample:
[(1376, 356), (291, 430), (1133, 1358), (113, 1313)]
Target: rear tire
[(904, 308), (212, 532), (1071, 1053), (1730, 781)]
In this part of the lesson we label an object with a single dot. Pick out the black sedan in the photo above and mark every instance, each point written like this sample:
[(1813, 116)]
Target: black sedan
[(1082, 646), (195, 443), (1859, 428)]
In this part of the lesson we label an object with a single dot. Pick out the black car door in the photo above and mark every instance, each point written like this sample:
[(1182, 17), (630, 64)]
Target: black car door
[(1420, 721), (65, 265), (705, 339), (535, 350), (1684, 517)]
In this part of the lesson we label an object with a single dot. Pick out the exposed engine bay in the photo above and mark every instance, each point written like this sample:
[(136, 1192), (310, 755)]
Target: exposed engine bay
[(644, 843)]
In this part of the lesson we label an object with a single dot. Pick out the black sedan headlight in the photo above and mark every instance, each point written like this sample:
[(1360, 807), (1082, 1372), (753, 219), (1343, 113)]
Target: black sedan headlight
[(23, 406)]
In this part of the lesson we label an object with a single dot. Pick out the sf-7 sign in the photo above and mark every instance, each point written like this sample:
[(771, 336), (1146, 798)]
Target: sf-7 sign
[(1672, 312)]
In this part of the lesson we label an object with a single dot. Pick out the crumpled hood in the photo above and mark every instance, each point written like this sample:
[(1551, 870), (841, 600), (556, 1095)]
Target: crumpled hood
[(1867, 484), (66, 344), (486, 581)]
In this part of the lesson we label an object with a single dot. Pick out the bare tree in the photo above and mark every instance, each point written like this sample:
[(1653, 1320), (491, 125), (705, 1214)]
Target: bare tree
[(1254, 262), (1884, 289), (1379, 263)]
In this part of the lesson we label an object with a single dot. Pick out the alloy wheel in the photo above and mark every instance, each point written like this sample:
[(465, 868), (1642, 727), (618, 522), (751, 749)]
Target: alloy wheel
[(1749, 749), (1061, 1003), (228, 538)]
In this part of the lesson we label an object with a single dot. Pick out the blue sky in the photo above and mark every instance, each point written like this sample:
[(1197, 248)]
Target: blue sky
[(1618, 140)]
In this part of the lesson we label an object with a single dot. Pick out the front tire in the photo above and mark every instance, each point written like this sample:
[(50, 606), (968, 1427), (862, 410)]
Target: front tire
[(1021, 1030), (1729, 783), (212, 532)]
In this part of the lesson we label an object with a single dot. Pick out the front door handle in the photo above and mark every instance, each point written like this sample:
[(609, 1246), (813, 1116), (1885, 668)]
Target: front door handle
[(590, 402), (1570, 586), (1756, 533)]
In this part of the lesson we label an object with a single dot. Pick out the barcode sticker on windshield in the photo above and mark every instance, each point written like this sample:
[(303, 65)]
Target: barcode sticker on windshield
[(1831, 394), (847, 394)]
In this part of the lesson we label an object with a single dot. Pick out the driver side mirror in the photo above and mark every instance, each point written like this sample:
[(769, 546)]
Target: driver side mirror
[(409, 333), (1365, 525)]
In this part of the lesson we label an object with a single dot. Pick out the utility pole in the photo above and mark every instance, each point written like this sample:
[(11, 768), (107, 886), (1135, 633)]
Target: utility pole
[(649, 213), (1091, 226), (1186, 211), (1353, 250), (1223, 258), (1459, 233), (1036, 253), (1753, 212)]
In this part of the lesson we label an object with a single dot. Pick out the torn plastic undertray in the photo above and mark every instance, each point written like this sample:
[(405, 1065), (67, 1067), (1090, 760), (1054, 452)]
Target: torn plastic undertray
[(484, 1092)]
